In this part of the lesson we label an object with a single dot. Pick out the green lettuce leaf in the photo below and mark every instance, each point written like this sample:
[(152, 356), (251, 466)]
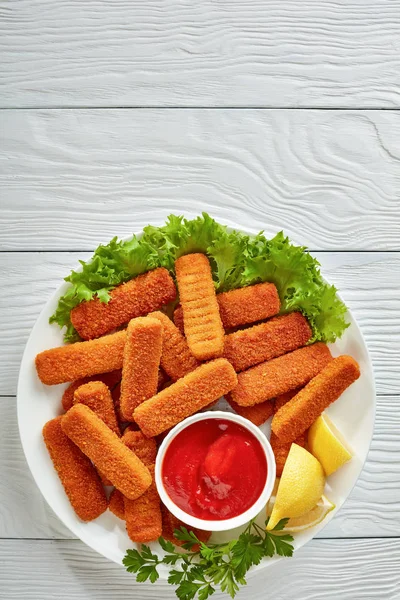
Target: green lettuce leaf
[(236, 259)]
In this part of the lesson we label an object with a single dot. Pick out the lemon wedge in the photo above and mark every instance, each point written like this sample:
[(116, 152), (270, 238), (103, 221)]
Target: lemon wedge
[(300, 487), (327, 445), (310, 519)]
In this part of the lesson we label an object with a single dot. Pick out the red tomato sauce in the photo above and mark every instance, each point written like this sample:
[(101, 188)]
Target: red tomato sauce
[(214, 469)]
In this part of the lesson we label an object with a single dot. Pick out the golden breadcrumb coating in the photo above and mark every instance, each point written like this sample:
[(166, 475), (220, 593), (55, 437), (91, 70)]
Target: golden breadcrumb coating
[(185, 397), (277, 376), (83, 359), (300, 412), (116, 396), (162, 379), (257, 414), (178, 319), (77, 474), (110, 379), (176, 358), (203, 327), (97, 397), (259, 343), (143, 515), (248, 304), (136, 298), (145, 448), (141, 364), (116, 504), (242, 306), (106, 450), (282, 399)]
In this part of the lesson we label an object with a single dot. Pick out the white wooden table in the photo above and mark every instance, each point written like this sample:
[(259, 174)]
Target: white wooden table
[(267, 114)]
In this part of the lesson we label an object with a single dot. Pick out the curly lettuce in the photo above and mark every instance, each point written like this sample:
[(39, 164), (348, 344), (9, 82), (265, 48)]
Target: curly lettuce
[(236, 259)]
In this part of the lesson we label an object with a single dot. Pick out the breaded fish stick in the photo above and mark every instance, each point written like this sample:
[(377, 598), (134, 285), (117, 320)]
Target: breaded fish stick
[(136, 298), (268, 340), (203, 327), (178, 319), (281, 450), (108, 453), (162, 378), (185, 397), (110, 379), (257, 414), (248, 304), (284, 398), (83, 359), (176, 358), (97, 397), (116, 396), (143, 515), (141, 363), (280, 375), (242, 306), (301, 411), (145, 448), (170, 523), (116, 504), (77, 474)]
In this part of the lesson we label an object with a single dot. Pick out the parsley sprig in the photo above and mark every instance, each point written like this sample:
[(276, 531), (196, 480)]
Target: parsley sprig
[(198, 571)]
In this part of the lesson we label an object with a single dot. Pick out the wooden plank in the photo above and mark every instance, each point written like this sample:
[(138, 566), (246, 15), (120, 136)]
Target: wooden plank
[(371, 510), (72, 179), (367, 282), (205, 54), (324, 569)]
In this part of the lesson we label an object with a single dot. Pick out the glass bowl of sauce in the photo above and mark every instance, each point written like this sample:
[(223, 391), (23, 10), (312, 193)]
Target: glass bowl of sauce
[(215, 471)]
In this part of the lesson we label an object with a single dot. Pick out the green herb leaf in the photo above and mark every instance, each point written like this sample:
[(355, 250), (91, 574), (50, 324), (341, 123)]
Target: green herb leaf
[(206, 566), (205, 592), (175, 577), (187, 590), (133, 560), (166, 545), (188, 537), (148, 572), (228, 584), (246, 552), (282, 543), (279, 526), (148, 555)]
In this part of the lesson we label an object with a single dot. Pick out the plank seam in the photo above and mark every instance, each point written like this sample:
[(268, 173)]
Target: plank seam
[(204, 107)]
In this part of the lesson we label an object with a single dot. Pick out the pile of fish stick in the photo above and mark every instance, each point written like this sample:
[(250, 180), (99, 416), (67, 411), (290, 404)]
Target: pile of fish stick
[(137, 373)]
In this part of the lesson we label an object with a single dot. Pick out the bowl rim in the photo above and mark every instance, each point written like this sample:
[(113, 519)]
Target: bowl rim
[(220, 524)]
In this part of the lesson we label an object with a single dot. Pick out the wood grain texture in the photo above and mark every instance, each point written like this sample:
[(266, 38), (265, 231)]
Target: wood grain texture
[(24, 512), (72, 179), (227, 53), (368, 283), (323, 570), (372, 509)]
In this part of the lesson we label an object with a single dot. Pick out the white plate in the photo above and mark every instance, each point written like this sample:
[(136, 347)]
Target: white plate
[(353, 414)]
